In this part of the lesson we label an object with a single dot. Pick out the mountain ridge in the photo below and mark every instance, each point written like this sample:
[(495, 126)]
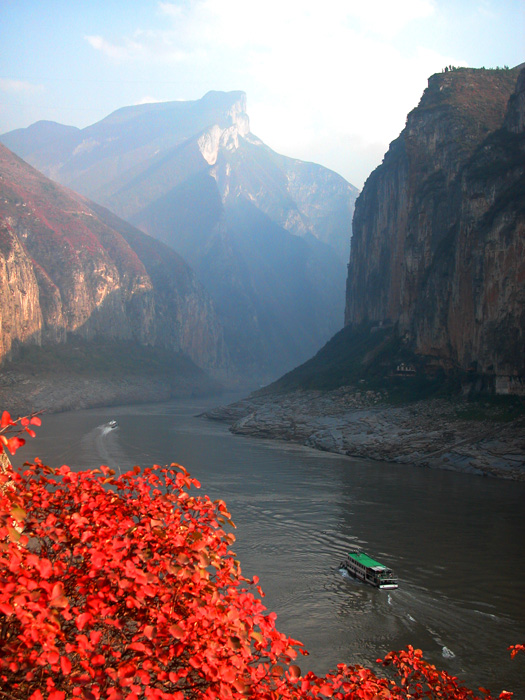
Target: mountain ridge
[(179, 171), (69, 267)]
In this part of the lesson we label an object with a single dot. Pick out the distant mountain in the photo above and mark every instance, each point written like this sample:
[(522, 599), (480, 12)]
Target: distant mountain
[(267, 235), (436, 281), (72, 270)]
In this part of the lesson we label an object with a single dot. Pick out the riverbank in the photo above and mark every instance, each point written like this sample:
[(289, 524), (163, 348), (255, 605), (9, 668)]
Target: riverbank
[(87, 374), (22, 392), (434, 433)]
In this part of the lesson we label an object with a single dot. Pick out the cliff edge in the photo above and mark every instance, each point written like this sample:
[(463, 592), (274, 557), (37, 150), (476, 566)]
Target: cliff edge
[(438, 248)]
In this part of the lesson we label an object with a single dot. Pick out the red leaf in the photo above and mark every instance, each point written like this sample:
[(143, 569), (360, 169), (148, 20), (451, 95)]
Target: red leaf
[(66, 665), (46, 569), (294, 671), (14, 443), (82, 620), (60, 600), (149, 631), (228, 675), (126, 671), (176, 631), (6, 420), (52, 657)]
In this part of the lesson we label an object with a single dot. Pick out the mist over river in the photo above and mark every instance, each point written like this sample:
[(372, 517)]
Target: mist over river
[(456, 541)]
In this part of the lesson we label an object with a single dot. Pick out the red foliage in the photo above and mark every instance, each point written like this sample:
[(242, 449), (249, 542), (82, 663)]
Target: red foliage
[(14, 428), (515, 649), (127, 588)]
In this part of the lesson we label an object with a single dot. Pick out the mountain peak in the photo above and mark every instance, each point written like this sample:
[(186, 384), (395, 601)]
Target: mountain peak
[(225, 132), (233, 107)]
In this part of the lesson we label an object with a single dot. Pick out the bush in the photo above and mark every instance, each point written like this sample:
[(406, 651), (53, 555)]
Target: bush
[(127, 588)]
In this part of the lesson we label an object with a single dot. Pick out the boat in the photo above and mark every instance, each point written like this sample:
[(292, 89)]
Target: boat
[(112, 424), (363, 567)]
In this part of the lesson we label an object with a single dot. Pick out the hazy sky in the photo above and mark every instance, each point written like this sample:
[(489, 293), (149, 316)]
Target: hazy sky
[(329, 81)]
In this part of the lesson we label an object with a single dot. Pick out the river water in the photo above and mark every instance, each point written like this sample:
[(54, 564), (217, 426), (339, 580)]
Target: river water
[(456, 541)]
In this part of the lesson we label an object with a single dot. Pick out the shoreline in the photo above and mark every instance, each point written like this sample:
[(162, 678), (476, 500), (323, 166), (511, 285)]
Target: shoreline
[(430, 433), (22, 393)]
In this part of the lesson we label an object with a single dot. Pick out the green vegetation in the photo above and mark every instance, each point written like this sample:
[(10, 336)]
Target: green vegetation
[(451, 68), (101, 357), (368, 357), (502, 409), (342, 361)]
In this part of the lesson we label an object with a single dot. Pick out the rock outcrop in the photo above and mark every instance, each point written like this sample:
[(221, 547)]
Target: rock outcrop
[(358, 423), (70, 267), (438, 246), (435, 298), (268, 236)]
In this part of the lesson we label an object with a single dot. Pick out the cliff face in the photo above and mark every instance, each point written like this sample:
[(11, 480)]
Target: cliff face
[(67, 266), (268, 236), (439, 229)]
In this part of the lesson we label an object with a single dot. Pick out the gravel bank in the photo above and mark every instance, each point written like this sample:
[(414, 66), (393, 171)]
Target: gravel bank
[(21, 393), (428, 433)]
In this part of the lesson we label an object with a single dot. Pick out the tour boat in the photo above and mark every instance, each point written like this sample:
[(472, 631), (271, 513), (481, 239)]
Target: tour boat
[(363, 567)]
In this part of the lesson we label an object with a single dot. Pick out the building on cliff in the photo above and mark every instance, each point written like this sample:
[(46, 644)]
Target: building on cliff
[(438, 245)]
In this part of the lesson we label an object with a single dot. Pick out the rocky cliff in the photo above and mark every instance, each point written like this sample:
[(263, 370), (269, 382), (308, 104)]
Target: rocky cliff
[(69, 268), (438, 248), (268, 236)]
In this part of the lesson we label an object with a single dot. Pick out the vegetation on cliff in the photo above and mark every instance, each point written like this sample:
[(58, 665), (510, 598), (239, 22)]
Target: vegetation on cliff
[(268, 236), (68, 267)]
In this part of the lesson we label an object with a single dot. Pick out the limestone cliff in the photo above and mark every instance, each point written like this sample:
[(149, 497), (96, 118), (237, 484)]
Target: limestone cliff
[(70, 267), (438, 246), (268, 236)]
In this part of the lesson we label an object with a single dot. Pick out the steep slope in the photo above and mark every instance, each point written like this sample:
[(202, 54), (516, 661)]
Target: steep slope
[(439, 229), (189, 173), (436, 281), (70, 268)]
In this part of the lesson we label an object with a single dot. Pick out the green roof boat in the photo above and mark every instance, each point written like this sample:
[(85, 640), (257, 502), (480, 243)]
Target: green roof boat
[(364, 568)]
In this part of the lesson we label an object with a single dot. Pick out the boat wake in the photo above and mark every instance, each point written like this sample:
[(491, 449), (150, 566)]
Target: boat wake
[(348, 576), (103, 447)]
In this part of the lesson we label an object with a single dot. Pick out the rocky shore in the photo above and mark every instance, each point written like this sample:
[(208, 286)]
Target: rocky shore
[(433, 433), (22, 392)]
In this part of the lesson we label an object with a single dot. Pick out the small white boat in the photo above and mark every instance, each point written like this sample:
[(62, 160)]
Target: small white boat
[(366, 569), (112, 424)]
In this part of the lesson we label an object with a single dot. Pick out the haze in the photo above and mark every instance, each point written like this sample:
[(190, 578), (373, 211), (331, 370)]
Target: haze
[(328, 82)]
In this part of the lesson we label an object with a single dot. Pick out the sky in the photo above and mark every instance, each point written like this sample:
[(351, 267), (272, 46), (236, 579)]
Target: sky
[(329, 81)]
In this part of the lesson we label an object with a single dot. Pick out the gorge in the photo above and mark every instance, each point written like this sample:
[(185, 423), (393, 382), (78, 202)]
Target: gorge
[(435, 303), (435, 286), (268, 236)]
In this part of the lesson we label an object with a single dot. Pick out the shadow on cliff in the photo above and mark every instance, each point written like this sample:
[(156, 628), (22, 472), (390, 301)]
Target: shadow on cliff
[(372, 357), (107, 356)]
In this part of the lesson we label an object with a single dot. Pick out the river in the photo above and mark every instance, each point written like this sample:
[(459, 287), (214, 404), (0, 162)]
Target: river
[(455, 541)]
